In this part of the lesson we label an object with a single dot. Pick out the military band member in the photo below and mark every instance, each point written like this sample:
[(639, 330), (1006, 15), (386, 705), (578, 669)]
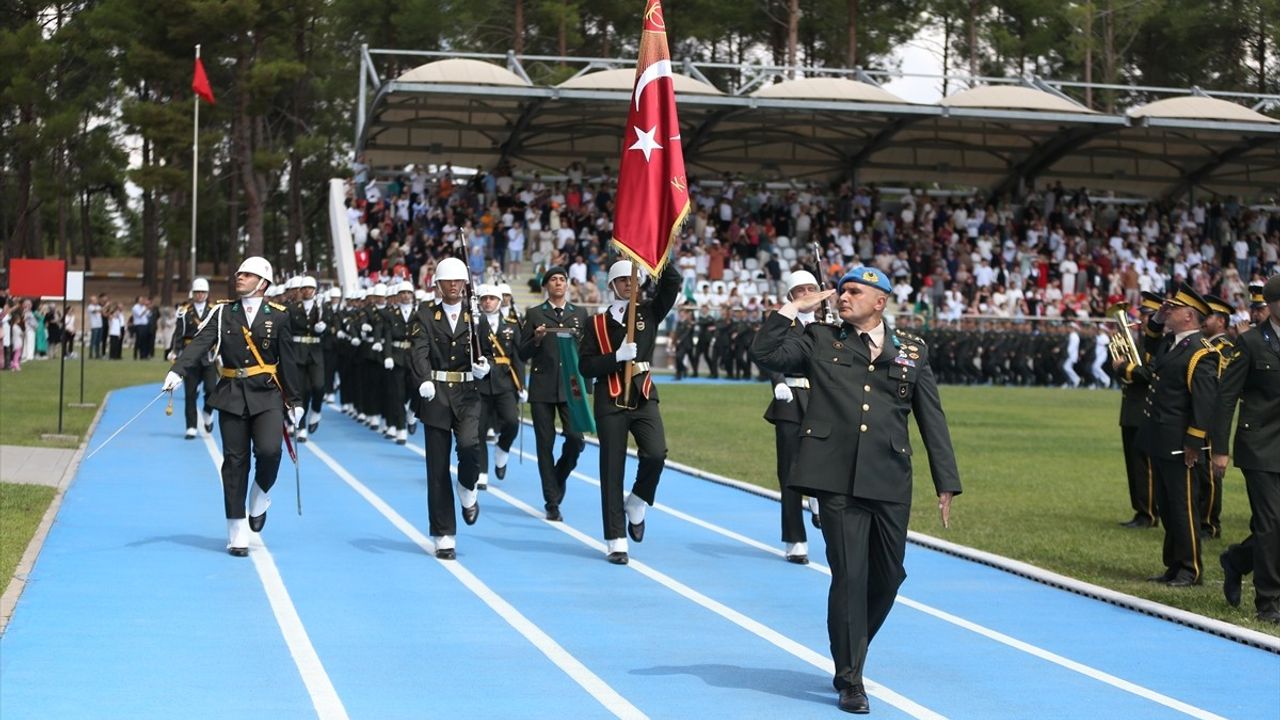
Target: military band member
[(251, 338), (308, 328), (1134, 382), (605, 353), (450, 408), (548, 396), (1252, 379), (502, 390), (190, 315), (1208, 481), (854, 455), (393, 336), (1179, 414)]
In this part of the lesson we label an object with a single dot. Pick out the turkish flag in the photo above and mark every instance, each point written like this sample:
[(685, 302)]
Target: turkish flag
[(200, 83), (653, 194)]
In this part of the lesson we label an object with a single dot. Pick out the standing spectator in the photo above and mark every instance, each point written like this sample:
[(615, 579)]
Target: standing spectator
[(17, 328), (139, 316), (96, 331), (69, 334), (515, 249), (115, 330)]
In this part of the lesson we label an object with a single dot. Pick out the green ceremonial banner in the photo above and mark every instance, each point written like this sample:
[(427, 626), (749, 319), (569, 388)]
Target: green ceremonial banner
[(580, 417)]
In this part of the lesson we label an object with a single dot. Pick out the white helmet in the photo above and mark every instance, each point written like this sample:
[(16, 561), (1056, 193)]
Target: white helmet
[(335, 293), (451, 269), (379, 290), (800, 277), (505, 289), (488, 290), (257, 265), (421, 295), (404, 286), (199, 285), (622, 269), (307, 281), (291, 283), (357, 294)]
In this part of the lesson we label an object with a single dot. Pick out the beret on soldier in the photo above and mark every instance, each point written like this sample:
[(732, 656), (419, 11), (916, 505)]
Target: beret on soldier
[(867, 276), (551, 271)]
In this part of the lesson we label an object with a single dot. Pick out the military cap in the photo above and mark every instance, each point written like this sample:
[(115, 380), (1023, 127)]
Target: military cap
[(1151, 301), (1186, 296), (1218, 306), (1255, 296)]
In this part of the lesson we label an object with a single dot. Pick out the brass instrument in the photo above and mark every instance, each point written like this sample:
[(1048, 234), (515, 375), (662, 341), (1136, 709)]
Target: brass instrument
[(1123, 346)]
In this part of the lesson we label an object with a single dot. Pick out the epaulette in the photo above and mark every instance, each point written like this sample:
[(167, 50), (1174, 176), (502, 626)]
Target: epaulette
[(1208, 345), (512, 321), (221, 302), (183, 308), (907, 336), (277, 306)]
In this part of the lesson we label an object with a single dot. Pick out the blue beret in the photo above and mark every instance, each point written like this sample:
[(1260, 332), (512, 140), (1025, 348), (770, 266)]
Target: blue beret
[(867, 276)]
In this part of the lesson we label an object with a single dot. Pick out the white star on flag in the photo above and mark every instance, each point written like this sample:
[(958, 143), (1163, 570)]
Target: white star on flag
[(645, 142)]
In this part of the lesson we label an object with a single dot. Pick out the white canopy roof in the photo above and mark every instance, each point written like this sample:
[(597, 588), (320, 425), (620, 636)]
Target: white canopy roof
[(1011, 97), (462, 71), (625, 79), (1199, 108), (828, 88)]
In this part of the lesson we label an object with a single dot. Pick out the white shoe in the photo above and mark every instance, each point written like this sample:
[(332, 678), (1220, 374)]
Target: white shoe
[(361, 418), (191, 433), (500, 457), (483, 482)]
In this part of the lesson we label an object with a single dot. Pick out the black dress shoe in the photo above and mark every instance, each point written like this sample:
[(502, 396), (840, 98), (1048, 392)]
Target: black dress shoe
[(1138, 523), (553, 514), (1270, 616), (1230, 582), (817, 521), (312, 427), (239, 552), (798, 559), (618, 558), (446, 554), (500, 471), (1183, 580), (471, 514), (1165, 578), (636, 531), (257, 522), (854, 700)]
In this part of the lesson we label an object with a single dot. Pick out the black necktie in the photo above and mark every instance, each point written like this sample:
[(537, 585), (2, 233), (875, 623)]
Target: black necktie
[(866, 341), (559, 314)]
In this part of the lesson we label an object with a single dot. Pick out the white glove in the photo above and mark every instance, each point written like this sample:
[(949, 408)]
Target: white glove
[(376, 347), (295, 415), (626, 351), (342, 335), (388, 363), (172, 356), (366, 328), (427, 390), (171, 381), (783, 392), (524, 396), (480, 368), (320, 326), (355, 342)]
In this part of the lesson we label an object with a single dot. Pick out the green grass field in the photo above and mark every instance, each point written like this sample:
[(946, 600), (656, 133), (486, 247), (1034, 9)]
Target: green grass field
[(21, 507), (29, 399), (1043, 482)]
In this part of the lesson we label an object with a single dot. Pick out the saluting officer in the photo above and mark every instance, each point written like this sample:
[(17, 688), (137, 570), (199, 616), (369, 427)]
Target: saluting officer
[(450, 408), (605, 353), (1252, 378), (501, 390), (308, 327), (855, 455), (190, 316), (1134, 381), (1177, 420), (548, 395), (785, 412), (393, 336), (251, 337)]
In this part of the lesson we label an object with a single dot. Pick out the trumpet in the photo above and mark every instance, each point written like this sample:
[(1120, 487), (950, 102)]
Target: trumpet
[(1123, 346)]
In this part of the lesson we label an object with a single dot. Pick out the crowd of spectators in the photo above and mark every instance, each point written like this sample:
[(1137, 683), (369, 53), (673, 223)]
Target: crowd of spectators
[(33, 331)]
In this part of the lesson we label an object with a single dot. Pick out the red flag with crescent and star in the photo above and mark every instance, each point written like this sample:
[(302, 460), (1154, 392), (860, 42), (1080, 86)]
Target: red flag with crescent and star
[(653, 193)]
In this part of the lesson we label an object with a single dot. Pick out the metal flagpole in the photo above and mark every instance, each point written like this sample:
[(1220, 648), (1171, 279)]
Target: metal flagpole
[(195, 169)]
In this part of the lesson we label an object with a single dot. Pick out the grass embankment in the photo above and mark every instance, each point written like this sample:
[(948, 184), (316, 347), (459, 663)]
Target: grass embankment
[(21, 507), (29, 399), (1043, 482)]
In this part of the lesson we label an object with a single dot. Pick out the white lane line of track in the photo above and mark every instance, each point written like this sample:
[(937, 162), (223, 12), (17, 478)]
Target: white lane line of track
[(612, 701), (1039, 652), (324, 697)]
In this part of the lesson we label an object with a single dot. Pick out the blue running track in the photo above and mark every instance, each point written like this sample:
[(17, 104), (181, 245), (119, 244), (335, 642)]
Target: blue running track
[(135, 610)]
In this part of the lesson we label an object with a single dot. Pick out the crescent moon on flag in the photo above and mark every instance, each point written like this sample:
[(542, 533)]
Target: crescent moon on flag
[(659, 69)]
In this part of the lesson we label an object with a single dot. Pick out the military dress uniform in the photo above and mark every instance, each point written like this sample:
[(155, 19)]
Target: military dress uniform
[(309, 356), (258, 378), (1252, 379), (203, 372), (330, 345), (549, 397), (682, 347), (1134, 383), (640, 418), (786, 417), (855, 457), (370, 367), (397, 385), (500, 389)]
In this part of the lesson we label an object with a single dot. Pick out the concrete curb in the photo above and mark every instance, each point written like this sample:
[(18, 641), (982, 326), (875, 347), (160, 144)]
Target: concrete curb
[(12, 593), (1226, 630)]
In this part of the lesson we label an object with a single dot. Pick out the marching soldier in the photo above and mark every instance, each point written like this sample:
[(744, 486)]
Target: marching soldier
[(703, 344), (394, 339), (1134, 382), (306, 315), (1179, 414), (190, 316), (1208, 481), (548, 395), (349, 354), (605, 353), (1252, 378), (446, 373), (681, 345), (509, 308), (251, 338), (371, 360), (854, 454), (330, 314), (786, 412), (501, 391)]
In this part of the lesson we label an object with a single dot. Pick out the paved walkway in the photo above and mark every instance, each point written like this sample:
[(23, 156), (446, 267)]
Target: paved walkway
[(34, 465)]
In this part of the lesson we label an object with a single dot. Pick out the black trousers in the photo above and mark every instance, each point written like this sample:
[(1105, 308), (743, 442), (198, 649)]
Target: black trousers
[(330, 369), (645, 425), (442, 518), (208, 376), (554, 472), (685, 355), (500, 412), (312, 374), (1175, 498), (787, 439), (1141, 482), (866, 542), (1208, 493), (1260, 552), (370, 396), (347, 377), (263, 434), (393, 396), (117, 342), (703, 352)]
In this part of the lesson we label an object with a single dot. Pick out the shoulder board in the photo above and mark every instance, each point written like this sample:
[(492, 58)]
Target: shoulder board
[(906, 335), (1208, 345), (512, 321), (222, 302), (183, 308), (277, 306)]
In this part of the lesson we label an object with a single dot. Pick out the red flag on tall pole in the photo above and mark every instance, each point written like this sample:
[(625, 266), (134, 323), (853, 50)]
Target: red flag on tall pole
[(200, 83), (653, 193)]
